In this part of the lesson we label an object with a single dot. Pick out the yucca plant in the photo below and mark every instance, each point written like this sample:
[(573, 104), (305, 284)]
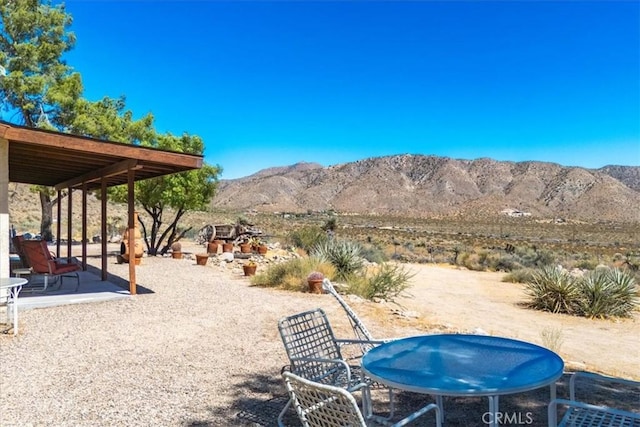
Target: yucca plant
[(608, 293), (344, 255), (555, 290)]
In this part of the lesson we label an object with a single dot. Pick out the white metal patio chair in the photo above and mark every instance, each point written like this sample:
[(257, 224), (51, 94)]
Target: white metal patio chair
[(582, 414), (322, 405), (315, 354)]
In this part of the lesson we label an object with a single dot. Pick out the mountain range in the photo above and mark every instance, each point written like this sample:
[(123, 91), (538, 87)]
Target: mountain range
[(432, 186)]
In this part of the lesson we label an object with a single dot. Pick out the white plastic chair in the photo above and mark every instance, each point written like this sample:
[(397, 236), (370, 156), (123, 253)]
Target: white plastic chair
[(582, 414), (322, 405)]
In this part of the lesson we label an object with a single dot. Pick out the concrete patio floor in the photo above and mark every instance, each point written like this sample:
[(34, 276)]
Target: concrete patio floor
[(91, 289)]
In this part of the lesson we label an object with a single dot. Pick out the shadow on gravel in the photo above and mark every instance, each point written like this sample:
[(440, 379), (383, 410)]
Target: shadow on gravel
[(268, 397), (119, 281)]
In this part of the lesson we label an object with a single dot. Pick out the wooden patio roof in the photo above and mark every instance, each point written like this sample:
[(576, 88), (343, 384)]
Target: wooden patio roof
[(62, 160)]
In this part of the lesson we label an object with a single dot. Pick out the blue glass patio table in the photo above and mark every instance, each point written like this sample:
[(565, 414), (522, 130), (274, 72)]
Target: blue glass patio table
[(464, 365)]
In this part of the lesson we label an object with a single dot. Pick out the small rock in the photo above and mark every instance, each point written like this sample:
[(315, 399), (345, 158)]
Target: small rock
[(226, 257)]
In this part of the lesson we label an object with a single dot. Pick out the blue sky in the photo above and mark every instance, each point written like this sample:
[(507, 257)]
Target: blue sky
[(274, 83)]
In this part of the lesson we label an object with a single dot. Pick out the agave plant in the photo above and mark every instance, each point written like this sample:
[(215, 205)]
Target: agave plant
[(344, 255), (608, 292), (555, 290)]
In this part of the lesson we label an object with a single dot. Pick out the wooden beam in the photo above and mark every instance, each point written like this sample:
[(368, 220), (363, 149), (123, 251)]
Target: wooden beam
[(111, 170), (90, 145)]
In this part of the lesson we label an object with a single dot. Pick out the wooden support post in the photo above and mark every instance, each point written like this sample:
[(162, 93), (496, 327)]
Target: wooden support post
[(58, 222), (103, 226), (84, 226), (5, 230), (69, 222), (132, 231)]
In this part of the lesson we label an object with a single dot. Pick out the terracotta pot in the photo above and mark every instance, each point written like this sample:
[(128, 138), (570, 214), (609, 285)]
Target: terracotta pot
[(315, 286), (218, 241), (262, 249), (176, 255), (201, 259), (245, 248), (212, 247), (227, 247), (249, 270)]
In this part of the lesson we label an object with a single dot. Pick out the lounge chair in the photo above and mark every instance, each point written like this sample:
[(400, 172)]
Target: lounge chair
[(43, 263)]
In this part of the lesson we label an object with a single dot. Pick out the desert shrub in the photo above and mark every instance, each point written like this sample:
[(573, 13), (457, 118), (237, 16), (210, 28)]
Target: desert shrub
[(587, 264), (552, 338), (387, 281), (292, 274), (522, 275), (608, 293), (307, 237), (555, 290), (534, 258), (330, 225), (344, 255), (499, 261), (472, 261), (373, 253), (489, 260)]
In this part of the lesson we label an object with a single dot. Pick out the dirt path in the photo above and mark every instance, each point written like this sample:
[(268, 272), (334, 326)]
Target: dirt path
[(462, 300)]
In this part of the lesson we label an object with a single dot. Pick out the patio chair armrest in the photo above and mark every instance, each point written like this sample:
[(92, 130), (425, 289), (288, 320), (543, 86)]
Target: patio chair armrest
[(596, 377), (378, 420), (581, 413), (343, 365), (354, 342)]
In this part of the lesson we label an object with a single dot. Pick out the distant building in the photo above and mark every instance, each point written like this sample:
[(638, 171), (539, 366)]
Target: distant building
[(514, 212)]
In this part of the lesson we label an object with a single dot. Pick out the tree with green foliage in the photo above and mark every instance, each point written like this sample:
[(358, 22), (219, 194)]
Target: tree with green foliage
[(180, 192), (34, 80), (40, 90)]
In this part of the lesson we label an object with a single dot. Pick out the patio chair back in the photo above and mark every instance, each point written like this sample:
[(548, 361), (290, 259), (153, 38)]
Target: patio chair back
[(17, 246), (359, 329), (322, 405), (307, 336), (42, 262)]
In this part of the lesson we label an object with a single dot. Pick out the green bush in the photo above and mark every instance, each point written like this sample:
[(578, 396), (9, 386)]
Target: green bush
[(608, 292), (387, 282), (555, 290), (344, 255)]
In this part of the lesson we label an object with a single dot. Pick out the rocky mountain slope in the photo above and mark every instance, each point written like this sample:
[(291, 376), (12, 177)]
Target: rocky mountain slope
[(420, 186)]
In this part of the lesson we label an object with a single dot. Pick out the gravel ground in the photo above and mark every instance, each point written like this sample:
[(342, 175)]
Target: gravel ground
[(199, 348), (186, 353)]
